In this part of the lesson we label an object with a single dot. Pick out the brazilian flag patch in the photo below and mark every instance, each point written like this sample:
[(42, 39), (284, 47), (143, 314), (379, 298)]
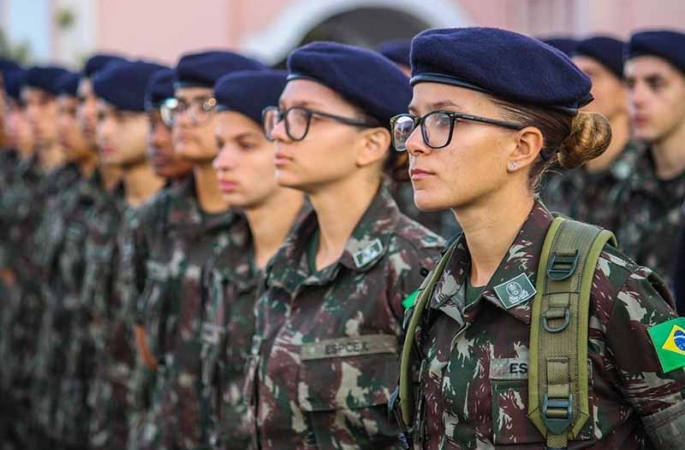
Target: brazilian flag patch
[(669, 341), (410, 300)]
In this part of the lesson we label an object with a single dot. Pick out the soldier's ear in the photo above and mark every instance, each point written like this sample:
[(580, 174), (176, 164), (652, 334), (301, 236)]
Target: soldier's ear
[(528, 143), (373, 146)]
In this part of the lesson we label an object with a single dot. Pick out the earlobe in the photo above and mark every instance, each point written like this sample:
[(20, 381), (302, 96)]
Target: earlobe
[(528, 146)]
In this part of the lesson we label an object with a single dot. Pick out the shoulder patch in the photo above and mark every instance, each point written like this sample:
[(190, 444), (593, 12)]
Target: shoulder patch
[(668, 339)]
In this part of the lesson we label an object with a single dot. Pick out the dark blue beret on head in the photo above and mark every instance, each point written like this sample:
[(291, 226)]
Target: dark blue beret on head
[(7, 66), (396, 51), (44, 78), (666, 44), (97, 62), (249, 92), (13, 83), (204, 69), (363, 77), (123, 84), (605, 50), (159, 88), (567, 45), (504, 64), (67, 84)]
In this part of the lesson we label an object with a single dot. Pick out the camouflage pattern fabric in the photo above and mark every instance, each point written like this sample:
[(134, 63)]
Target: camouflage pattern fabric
[(108, 393), (325, 353), (178, 239), (472, 383), (650, 217), (591, 197)]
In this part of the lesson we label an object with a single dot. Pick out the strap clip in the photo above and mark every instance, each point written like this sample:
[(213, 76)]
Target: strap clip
[(546, 317), (562, 266), (557, 413)]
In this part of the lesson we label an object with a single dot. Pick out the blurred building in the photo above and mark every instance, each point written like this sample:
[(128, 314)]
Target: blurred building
[(68, 30)]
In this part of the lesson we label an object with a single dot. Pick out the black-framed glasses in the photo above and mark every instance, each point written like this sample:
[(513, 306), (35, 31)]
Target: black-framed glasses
[(437, 127), (297, 121), (199, 110)]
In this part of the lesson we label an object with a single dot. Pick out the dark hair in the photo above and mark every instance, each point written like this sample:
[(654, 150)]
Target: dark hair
[(568, 141), (396, 164)]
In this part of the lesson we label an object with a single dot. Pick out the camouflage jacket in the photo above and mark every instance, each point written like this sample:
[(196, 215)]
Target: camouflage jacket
[(112, 340), (231, 282), (9, 161), (474, 375), (650, 217), (173, 240), (325, 353), (591, 197), (64, 324)]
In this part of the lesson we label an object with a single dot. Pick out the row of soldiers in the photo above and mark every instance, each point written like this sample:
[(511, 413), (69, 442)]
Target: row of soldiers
[(141, 218)]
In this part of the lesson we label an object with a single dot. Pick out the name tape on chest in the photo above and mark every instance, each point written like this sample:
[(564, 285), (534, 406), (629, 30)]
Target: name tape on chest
[(352, 346), (509, 369)]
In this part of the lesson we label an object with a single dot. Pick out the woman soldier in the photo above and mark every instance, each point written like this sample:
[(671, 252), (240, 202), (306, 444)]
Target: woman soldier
[(245, 170), (327, 327), (491, 111)]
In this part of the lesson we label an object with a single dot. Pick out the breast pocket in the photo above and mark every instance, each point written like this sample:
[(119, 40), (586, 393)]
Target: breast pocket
[(509, 390), (349, 379)]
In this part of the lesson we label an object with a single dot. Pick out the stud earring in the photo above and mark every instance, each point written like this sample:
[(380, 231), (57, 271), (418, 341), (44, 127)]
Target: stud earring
[(512, 165)]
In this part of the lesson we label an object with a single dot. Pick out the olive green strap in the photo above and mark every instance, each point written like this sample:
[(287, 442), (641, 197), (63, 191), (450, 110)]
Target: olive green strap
[(405, 394), (558, 377)]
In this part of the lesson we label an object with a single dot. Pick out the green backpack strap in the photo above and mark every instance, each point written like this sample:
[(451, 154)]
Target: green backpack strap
[(558, 392), (405, 393)]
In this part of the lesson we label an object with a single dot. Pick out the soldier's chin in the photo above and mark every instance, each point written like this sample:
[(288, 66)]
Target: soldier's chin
[(427, 203)]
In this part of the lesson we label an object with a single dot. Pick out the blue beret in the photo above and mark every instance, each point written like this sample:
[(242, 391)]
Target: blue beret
[(7, 66), (396, 51), (97, 62), (13, 83), (44, 78), (507, 65), (249, 92), (123, 84), (666, 44), (565, 44), (204, 69), (365, 78), (606, 50), (159, 88), (67, 84)]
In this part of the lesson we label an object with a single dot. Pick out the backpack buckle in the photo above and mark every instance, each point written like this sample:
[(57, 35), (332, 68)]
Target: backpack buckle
[(562, 266), (553, 314), (557, 413)]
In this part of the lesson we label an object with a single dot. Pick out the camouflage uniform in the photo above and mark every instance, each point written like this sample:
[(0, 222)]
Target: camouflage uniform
[(325, 353), (60, 238), (474, 379), (108, 396), (232, 285), (650, 217), (591, 197), (176, 239), (20, 214)]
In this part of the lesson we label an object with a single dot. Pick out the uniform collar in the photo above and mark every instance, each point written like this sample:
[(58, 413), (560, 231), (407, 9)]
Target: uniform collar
[(185, 214), (520, 260), (366, 246)]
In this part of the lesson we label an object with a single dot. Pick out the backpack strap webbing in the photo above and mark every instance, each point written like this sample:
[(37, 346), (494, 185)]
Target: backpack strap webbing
[(405, 392), (558, 391)]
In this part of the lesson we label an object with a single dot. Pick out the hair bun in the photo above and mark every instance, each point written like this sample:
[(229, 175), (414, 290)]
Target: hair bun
[(590, 136)]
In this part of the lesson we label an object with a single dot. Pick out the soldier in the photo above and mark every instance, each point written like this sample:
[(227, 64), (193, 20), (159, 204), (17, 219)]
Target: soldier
[(324, 355), (167, 164), (478, 139), (442, 222), (179, 232), (650, 204), (589, 193), (245, 167), (121, 131)]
